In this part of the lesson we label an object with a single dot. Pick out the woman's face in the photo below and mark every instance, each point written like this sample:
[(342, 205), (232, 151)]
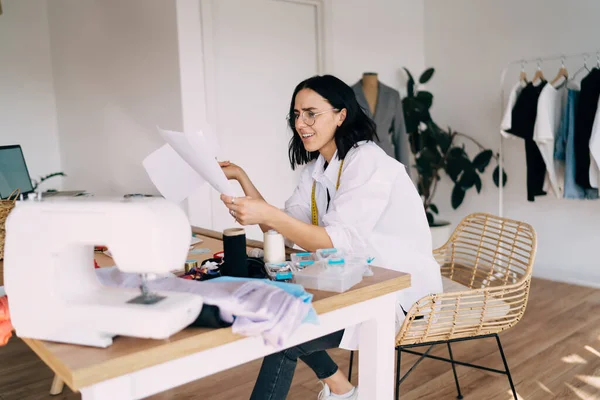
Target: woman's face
[(315, 129)]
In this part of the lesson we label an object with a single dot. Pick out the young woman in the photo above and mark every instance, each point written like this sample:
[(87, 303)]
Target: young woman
[(351, 196)]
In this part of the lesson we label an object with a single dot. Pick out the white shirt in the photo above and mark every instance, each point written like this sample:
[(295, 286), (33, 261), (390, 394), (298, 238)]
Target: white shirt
[(550, 108), (595, 151), (506, 123), (376, 210)]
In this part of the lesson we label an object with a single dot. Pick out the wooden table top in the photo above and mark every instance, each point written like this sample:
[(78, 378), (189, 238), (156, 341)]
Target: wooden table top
[(81, 366)]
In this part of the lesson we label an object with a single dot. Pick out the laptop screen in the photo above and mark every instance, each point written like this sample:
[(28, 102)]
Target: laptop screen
[(13, 171)]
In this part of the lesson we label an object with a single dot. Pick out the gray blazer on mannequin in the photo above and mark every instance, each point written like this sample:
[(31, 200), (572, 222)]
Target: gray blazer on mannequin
[(389, 118)]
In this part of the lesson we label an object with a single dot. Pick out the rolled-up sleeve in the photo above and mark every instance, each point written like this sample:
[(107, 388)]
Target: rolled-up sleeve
[(298, 205), (358, 204)]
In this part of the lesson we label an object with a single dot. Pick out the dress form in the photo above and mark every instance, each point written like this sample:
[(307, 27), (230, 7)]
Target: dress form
[(370, 86)]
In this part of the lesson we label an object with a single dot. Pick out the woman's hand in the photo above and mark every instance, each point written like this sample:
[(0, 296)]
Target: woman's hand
[(248, 211), (231, 170)]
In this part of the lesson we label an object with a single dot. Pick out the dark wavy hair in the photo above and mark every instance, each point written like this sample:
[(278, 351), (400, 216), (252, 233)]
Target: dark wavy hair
[(357, 126)]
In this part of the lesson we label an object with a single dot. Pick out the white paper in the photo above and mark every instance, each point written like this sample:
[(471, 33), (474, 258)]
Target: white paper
[(200, 154), (171, 175)]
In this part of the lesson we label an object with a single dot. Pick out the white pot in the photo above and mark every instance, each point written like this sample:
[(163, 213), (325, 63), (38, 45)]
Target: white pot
[(440, 233)]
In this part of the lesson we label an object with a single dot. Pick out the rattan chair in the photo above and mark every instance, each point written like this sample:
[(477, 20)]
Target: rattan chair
[(492, 258)]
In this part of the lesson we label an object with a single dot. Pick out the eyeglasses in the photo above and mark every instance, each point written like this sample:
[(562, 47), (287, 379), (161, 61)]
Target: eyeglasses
[(309, 117)]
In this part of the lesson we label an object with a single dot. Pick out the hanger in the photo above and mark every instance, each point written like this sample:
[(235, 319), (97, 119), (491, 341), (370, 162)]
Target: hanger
[(523, 74), (585, 56), (562, 72), (538, 73)]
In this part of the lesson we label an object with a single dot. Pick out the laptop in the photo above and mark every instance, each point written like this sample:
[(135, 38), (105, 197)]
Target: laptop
[(14, 174)]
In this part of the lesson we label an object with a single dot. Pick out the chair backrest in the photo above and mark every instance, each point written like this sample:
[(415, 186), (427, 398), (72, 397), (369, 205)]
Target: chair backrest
[(493, 257), (485, 251)]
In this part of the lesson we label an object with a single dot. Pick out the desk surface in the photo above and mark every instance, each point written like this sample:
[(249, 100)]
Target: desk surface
[(80, 366)]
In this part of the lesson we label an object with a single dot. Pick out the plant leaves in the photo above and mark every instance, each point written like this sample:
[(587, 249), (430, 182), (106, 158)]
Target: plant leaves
[(482, 160), (410, 85), (456, 162), (415, 142), (496, 176), (444, 139), (458, 195), (434, 208), (426, 98), (424, 165), (468, 177), (426, 75), (412, 112), (429, 218), (410, 77), (478, 183)]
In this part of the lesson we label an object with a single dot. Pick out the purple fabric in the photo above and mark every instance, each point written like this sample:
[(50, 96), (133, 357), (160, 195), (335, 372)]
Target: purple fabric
[(256, 308)]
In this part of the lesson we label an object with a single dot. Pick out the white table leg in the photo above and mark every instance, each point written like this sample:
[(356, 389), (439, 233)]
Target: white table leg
[(376, 347), (112, 389)]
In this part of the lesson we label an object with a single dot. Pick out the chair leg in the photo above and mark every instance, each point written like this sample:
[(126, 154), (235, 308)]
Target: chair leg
[(398, 373), (350, 368), (57, 386), (460, 396), (512, 386)]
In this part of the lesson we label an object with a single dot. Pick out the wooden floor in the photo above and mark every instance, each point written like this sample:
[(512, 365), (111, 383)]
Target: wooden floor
[(553, 353)]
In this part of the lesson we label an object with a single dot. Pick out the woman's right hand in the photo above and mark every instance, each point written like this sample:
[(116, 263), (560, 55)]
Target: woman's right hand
[(231, 170)]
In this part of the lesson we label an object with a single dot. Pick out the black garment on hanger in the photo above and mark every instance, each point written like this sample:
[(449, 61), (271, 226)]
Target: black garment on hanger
[(524, 114), (584, 122)]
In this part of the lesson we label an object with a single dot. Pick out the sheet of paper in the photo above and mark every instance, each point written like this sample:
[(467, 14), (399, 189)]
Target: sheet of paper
[(200, 154), (172, 176)]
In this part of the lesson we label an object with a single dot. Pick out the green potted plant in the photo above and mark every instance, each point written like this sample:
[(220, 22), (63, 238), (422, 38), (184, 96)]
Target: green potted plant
[(436, 150), (35, 183)]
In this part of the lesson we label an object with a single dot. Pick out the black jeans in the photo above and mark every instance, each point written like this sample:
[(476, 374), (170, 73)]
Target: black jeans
[(277, 370)]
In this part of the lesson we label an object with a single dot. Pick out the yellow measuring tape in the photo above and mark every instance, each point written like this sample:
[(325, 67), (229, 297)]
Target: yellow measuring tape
[(315, 212)]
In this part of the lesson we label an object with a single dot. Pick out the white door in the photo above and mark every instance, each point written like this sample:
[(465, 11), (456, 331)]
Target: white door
[(261, 49)]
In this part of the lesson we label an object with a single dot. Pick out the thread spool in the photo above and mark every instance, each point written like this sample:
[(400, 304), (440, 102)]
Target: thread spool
[(274, 246), (235, 260)]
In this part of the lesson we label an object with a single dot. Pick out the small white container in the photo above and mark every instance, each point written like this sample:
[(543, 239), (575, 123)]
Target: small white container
[(274, 246)]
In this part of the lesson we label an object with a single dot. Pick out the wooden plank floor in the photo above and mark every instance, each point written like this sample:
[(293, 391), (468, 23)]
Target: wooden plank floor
[(553, 353)]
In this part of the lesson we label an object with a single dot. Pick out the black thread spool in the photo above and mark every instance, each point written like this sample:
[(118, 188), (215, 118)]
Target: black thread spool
[(235, 260)]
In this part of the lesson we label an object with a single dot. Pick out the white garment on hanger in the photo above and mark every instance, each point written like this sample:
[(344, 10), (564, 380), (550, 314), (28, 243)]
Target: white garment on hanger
[(595, 151), (506, 123), (550, 108)]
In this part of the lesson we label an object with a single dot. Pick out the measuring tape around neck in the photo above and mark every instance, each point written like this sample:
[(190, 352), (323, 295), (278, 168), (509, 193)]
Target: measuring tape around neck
[(313, 202)]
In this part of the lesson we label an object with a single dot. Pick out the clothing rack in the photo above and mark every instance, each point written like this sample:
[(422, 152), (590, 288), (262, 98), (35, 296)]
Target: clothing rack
[(523, 62)]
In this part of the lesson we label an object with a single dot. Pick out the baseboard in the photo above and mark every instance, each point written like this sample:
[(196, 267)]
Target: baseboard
[(572, 276)]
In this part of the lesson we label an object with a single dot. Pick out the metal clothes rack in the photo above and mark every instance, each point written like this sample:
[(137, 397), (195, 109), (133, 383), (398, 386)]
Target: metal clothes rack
[(523, 62)]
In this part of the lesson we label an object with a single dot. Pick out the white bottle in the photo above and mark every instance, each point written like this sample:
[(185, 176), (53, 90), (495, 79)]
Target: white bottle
[(274, 247)]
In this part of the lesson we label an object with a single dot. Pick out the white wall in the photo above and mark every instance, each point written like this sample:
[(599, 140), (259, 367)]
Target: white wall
[(376, 36), (469, 42), (116, 74), (27, 103)]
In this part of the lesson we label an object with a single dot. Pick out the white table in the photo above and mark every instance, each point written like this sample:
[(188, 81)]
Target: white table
[(134, 368)]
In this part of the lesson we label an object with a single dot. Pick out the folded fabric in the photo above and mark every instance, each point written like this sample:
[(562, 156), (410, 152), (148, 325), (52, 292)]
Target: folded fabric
[(6, 327), (252, 306), (295, 290)]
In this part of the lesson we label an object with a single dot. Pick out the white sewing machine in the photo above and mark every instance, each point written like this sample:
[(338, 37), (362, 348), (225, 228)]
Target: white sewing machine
[(50, 279)]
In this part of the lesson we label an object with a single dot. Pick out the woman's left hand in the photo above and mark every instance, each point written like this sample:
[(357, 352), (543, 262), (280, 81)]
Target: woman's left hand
[(246, 210)]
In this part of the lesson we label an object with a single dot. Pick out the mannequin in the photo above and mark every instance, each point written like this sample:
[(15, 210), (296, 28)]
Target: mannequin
[(383, 104), (370, 86)]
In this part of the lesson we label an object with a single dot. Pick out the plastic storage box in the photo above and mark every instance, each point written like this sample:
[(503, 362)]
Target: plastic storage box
[(279, 271), (334, 278), (303, 260)]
